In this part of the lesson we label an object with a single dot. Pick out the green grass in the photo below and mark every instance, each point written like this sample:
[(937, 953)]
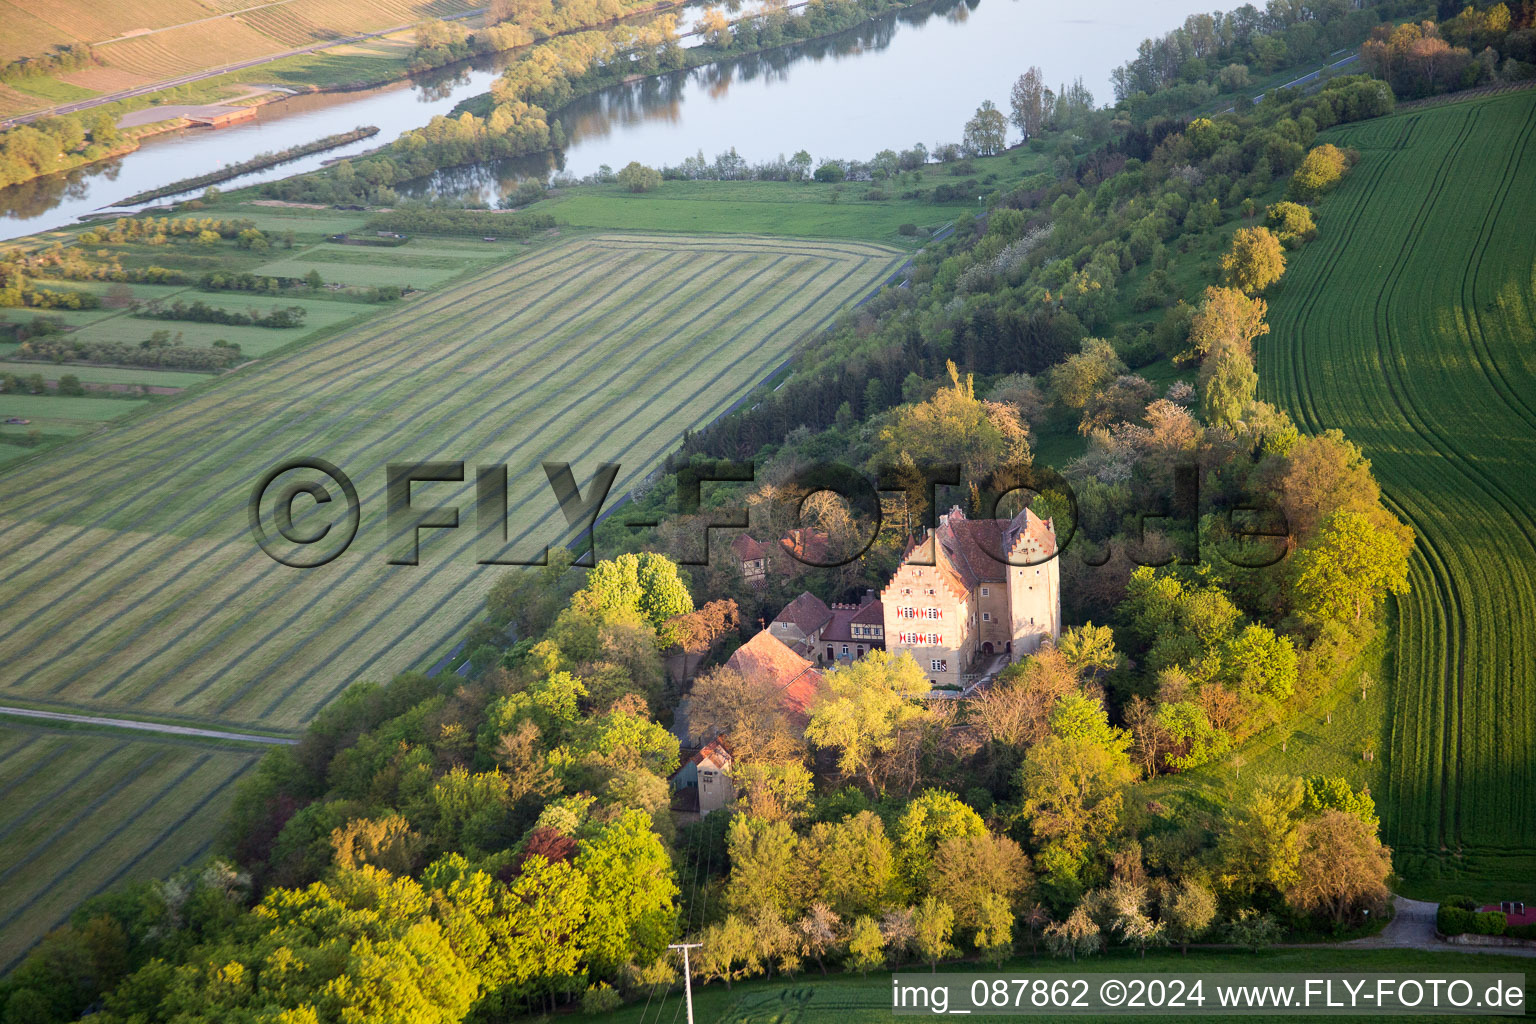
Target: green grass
[(82, 812), (132, 582), (91, 409), (1326, 735), (788, 208), (53, 90), (851, 999), (1408, 325), (110, 374)]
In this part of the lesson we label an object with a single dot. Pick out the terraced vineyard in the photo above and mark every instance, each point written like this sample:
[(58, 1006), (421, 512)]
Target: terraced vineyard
[(1411, 325), (82, 811), (131, 580)]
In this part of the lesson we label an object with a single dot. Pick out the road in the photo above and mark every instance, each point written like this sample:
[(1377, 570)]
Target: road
[(171, 83), (128, 723)]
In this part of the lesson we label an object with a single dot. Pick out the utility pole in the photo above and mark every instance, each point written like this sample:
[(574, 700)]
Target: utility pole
[(687, 974)]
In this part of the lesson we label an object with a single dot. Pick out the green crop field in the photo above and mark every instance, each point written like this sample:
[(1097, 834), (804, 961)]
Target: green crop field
[(1409, 324), (131, 580), (80, 811)]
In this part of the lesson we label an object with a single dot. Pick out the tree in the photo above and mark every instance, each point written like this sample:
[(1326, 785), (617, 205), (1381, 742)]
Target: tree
[(1127, 904), (647, 582), (928, 821), (1226, 319), (819, 930), (637, 177), (1077, 934), (1322, 474), (1070, 786), (968, 870), (954, 426), (994, 928), (1321, 169), (933, 923), (1090, 649), (1342, 869), (724, 950), (865, 704), (852, 864), (1257, 849), (1292, 223), (1188, 912), (765, 866), (986, 133), (866, 945), (715, 28), (1255, 261), (1228, 388), (1028, 102), (1352, 565), (633, 912), (723, 702)]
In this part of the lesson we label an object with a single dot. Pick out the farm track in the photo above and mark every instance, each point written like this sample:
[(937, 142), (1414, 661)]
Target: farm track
[(1425, 357), (189, 621)]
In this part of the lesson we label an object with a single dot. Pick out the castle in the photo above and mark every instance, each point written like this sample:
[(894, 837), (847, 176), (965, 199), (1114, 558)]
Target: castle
[(974, 588)]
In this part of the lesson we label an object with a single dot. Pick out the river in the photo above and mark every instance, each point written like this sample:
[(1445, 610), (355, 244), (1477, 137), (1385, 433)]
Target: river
[(910, 76)]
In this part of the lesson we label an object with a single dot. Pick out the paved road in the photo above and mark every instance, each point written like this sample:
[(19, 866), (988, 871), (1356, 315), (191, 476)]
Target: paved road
[(128, 723), (171, 83)]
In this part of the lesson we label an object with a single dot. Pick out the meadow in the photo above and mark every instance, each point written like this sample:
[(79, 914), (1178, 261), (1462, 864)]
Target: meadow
[(82, 811), (853, 999), (866, 210), (1408, 325), (131, 578)]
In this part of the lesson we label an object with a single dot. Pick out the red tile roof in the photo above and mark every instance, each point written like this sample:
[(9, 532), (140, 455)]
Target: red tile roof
[(811, 547), (748, 549), (765, 657)]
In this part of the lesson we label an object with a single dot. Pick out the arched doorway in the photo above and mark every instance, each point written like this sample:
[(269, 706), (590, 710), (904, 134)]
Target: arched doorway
[(986, 648)]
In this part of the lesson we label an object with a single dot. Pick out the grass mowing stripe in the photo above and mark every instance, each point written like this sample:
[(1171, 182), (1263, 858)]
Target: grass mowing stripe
[(463, 623), (432, 306), (536, 432), (42, 804), (634, 475), (17, 780), (274, 422), (123, 870), (128, 779), (175, 606), (13, 751), (104, 593)]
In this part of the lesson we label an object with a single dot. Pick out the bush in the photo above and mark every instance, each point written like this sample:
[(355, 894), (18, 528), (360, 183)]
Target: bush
[(907, 229), (69, 384), (1453, 920), (1491, 923), (639, 178), (1464, 902), (1320, 170), (600, 998), (1291, 223)]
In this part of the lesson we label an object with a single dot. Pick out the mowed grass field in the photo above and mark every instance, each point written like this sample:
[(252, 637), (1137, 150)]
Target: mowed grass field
[(129, 578), (1410, 324), (81, 811)]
